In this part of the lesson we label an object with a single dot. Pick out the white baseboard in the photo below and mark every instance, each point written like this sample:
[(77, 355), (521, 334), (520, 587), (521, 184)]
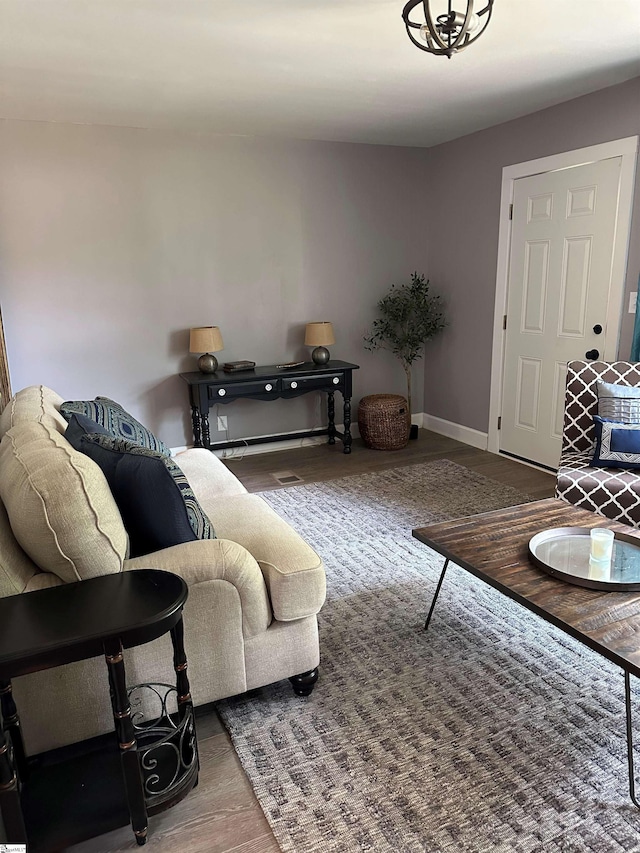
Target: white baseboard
[(460, 433), (273, 446), (270, 447), (467, 435)]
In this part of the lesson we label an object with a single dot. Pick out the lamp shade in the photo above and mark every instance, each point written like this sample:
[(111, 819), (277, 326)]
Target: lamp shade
[(205, 339), (319, 334)]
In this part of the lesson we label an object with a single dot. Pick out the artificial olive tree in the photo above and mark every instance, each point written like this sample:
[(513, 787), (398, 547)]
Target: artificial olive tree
[(410, 316)]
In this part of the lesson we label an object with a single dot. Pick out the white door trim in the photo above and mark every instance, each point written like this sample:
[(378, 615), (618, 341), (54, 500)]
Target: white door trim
[(626, 149)]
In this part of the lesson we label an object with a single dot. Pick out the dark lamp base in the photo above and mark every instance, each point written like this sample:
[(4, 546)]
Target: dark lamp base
[(207, 363), (320, 355)]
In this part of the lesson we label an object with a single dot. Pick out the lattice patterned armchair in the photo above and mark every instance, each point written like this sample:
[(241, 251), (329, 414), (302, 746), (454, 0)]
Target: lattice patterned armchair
[(611, 492)]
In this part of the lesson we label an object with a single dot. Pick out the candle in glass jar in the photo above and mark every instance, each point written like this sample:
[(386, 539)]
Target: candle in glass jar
[(601, 544)]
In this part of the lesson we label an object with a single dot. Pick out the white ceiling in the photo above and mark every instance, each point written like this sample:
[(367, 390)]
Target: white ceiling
[(340, 70)]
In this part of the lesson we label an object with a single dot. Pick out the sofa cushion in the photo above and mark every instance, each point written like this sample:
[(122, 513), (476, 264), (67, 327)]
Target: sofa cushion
[(158, 507), (59, 504), (116, 420), (34, 403), (17, 570), (208, 476), (617, 444), (619, 403)]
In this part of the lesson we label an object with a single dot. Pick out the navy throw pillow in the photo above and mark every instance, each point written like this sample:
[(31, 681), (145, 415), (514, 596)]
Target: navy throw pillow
[(116, 420), (157, 505), (617, 445)]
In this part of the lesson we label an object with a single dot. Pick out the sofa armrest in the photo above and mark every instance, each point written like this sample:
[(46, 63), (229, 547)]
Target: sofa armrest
[(292, 570), (216, 560)]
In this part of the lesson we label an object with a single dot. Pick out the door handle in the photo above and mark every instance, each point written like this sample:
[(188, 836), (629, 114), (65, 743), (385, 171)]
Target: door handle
[(592, 353)]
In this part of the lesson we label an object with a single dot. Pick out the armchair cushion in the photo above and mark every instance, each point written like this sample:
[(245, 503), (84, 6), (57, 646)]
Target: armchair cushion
[(116, 420), (158, 506)]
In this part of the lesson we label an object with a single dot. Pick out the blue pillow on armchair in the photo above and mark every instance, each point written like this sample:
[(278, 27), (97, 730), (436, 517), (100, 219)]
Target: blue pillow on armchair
[(617, 445)]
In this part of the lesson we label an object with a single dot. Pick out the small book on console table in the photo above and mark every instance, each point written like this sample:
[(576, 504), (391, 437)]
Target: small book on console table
[(234, 366)]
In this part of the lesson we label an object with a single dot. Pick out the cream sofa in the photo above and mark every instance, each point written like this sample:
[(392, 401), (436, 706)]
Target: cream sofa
[(254, 591)]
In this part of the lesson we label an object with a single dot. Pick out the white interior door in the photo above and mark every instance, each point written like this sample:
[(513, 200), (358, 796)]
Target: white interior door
[(560, 271)]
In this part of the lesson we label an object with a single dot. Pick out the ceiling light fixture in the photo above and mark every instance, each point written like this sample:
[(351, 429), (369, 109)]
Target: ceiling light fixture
[(449, 32)]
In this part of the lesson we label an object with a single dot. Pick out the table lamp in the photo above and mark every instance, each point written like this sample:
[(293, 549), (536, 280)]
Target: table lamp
[(207, 340), (319, 335)]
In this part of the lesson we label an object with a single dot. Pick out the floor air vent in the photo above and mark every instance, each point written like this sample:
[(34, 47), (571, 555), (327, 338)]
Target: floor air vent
[(286, 478)]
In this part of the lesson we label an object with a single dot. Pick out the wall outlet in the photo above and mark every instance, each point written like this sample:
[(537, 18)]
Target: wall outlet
[(632, 301), (222, 423)]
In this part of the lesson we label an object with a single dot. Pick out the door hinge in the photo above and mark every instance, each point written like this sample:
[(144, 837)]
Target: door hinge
[(510, 211), (499, 422), (504, 322)]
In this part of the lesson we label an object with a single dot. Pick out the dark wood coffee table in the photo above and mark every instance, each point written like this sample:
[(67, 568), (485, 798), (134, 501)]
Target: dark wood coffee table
[(493, 546)]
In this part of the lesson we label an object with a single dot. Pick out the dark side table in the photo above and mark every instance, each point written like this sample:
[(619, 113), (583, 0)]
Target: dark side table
[(271, 383), (57, 798)]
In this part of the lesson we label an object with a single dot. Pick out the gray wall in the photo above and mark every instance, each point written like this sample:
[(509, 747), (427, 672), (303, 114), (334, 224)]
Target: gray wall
[(465, 180), (115, 241)]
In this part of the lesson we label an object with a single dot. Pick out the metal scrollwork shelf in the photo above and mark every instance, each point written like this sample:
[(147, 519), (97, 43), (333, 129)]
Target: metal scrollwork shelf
[(166, 743)]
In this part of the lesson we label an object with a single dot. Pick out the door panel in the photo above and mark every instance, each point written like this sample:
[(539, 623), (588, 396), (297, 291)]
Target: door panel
[(528, 393), (535, 286)]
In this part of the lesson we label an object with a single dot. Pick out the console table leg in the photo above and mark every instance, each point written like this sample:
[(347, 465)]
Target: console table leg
[(347, 425), (627, 705), (126, 739), (11, 725), (437, 593), (195, 421), (331, 413), (206, 435)]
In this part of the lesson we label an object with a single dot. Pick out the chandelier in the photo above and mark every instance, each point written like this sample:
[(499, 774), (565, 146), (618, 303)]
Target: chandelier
[(449, 32)]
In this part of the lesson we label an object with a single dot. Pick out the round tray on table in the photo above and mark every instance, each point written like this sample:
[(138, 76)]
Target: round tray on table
[(564, 552)]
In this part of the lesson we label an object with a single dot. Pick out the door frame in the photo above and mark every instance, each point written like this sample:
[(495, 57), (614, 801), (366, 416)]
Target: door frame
[(626, 149)]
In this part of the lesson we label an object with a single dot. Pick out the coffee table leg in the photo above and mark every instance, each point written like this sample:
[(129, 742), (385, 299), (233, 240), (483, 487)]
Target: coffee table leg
[(437, 593), (627, 704)]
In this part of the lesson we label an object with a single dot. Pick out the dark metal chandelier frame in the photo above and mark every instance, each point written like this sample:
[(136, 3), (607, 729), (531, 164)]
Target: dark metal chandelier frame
[(448, 33)]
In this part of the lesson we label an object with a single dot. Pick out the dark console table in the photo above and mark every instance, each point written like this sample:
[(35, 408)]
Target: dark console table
[(52, 800), (270, 383)]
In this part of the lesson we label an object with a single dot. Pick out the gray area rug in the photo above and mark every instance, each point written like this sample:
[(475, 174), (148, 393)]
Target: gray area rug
[(491, 732)]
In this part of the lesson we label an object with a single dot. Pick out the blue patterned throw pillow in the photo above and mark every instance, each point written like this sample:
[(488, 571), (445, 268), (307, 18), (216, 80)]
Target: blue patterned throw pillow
[(157, 504), (116, 420), (617, 445)]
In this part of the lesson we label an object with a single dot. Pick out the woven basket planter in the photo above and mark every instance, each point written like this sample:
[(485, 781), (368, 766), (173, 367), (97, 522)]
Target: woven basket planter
[(384, 421)]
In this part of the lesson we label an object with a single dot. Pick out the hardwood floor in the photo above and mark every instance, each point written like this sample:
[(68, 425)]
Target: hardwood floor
[(324, 462), (222, 814)]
